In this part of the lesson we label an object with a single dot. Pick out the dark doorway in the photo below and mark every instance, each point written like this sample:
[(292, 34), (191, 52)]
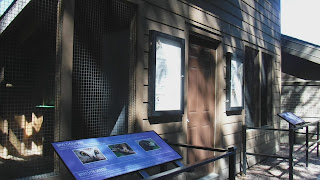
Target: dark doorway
[(252, 86)]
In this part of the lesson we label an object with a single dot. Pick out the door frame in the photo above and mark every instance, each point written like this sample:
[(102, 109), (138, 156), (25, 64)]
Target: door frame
[(211, 41)]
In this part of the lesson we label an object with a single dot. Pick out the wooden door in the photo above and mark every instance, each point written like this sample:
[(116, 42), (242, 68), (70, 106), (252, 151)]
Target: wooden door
[(201, 100)]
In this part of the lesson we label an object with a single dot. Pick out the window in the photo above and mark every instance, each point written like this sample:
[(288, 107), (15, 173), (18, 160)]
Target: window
[(258, 88), (166, 74)]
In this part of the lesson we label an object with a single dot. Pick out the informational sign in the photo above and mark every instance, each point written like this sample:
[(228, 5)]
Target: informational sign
[(166, 75), (234, 83), (106, 157), (291, 118)]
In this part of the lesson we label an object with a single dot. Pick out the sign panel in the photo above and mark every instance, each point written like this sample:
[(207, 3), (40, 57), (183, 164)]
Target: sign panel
[(234, 82), (166, 75), (106, 157), (291, 118)]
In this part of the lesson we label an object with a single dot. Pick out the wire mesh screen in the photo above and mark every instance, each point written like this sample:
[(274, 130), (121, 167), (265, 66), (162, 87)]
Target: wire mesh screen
[(27, 89), (101, 67)]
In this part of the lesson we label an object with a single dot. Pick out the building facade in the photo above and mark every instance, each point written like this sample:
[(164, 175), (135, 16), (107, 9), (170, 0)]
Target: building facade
[(300, 80), (82, 69)]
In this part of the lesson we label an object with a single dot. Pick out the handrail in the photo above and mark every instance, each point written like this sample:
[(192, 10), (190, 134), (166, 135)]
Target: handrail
[(292, 130), (178, 170), (230, 152)]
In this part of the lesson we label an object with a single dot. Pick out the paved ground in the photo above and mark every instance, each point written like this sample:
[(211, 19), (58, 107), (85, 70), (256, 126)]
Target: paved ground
[(279, 169)]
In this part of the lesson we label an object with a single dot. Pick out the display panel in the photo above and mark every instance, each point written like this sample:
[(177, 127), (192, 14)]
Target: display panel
[(106, 157), (234, 82), (166, 74), (291, 118)]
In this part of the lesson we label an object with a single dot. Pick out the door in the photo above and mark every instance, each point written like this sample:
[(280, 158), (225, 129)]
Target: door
[(201, 100)]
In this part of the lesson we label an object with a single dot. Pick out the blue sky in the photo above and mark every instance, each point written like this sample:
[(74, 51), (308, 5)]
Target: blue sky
[(300, 19)]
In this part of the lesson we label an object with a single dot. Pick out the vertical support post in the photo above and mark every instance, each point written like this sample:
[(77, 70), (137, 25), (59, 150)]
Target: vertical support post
[(232, 163), (291, 134), (307, 146), (317, 139), (244, 149)]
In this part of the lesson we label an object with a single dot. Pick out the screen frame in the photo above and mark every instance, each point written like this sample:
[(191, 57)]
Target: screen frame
[(238, 59), (152, 112)]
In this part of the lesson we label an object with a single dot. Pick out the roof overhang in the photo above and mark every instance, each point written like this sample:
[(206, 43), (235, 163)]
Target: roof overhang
[(301, 49)]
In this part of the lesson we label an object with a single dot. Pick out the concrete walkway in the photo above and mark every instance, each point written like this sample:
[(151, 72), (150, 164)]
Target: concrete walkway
[(279, 169)]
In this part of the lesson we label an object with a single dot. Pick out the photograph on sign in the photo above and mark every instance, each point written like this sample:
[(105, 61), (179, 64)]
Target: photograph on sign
[(148, 144), (121, 149), (90, 154)]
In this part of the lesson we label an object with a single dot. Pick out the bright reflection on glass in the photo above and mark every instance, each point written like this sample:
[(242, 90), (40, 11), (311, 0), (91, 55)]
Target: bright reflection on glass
[(236, 83), (168, 75)]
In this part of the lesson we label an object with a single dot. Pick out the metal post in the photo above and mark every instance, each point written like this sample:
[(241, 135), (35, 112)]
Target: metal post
[(291, 134), (232, 163), (307, 146), (317, 139), (244, 149)]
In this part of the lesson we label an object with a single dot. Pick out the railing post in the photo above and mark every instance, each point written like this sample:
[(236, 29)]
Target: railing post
[(244, 149), (232, 163), (291, 134), (307, 146)]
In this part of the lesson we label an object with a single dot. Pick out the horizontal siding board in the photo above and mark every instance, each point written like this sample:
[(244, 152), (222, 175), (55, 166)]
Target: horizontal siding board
[(252, 17), (224, 163), (227, 28), (159, 26), (165, 17), (255, 11), (262, 147), (263, 19), (261, 12), (237, 17), (259, 140), (232, 128), (274, 4), (231, 139), (272, 9), (166, 128)]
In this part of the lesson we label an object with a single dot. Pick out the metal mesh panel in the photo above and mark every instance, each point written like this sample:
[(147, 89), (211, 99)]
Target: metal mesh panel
[(27, 89), (101, 67)]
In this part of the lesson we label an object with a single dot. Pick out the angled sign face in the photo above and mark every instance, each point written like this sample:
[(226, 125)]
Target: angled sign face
[(106, 157), (291, 118)]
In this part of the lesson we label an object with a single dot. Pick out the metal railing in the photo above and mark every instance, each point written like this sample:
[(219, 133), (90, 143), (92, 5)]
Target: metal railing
[(230, 152), (292, 130)]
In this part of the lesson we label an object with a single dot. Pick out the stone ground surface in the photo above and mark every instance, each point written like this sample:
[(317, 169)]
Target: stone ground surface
[(279, 168)]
